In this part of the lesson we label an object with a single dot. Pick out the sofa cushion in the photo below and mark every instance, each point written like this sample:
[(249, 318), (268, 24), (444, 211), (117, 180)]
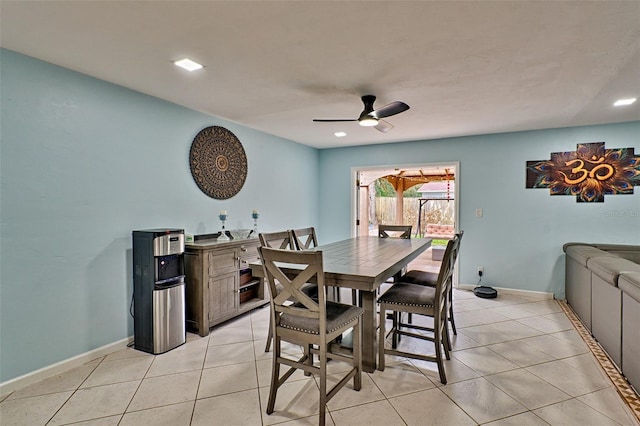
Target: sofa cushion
[(633, 256), (629, 282), (610, 268), (582, 254), (567, 245), (631, 253)]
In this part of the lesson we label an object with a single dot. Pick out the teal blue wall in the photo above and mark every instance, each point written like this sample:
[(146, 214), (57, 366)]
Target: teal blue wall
[(519, 239), (85, 162)]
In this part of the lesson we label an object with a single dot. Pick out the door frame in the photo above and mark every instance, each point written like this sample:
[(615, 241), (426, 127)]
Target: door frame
[(355, 194)]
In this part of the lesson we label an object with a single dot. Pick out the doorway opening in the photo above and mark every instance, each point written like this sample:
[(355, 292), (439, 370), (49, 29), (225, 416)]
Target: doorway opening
[(420, 195), (414, 195)]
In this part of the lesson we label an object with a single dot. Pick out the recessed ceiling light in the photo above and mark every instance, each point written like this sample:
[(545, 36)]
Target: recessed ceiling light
[(623, 102), (340, 134), (188, 64)]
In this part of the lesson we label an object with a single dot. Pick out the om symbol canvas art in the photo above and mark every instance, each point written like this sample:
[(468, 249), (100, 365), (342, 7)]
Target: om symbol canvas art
[(590, 172)]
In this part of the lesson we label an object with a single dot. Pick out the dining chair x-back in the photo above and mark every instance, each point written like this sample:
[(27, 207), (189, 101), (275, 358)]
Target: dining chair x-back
[(308, 322), (419, 300), (416, 276), (305, 238), (394, 231), (283, 240)]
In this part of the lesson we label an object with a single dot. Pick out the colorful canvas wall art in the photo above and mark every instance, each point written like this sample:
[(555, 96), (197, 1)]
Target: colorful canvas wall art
[(590, 172)]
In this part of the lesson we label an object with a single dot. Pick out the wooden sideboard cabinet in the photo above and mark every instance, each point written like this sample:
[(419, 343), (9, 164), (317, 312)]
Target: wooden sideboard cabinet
[(219, 284)]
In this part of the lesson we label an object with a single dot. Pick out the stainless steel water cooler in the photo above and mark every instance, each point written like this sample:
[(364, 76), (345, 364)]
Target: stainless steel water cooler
[(158, 290)]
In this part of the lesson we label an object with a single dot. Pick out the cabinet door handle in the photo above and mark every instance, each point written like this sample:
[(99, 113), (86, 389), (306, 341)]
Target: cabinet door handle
[(243, 249), (237, 258)]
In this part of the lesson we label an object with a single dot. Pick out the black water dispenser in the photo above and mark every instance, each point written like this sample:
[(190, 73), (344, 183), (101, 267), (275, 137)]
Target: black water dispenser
[(158, 290)]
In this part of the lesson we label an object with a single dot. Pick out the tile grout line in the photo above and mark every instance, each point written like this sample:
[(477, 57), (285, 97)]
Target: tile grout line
[(204, 360), (137, 388), (255, 365), (626, 392), (74, 391), (257, 324)]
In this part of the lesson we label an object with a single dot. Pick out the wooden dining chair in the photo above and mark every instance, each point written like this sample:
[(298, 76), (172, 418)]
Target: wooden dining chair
[(416, 276), (310, 323), (394, 231), (283, 240), (305, 238), (418, 300)]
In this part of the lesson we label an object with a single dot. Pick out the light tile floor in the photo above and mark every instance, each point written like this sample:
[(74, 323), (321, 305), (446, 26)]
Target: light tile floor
[(516, 361)]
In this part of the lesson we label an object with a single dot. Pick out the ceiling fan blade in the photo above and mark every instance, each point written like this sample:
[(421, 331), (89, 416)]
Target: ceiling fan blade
[(383, 126), (369, 116), (391, 109), (330, 120)]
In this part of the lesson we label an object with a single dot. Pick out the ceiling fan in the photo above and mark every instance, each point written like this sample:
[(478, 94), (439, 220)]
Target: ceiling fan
[(370, 117)]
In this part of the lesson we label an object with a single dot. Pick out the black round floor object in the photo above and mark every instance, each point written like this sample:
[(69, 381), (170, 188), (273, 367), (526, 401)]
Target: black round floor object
[(485, 292)]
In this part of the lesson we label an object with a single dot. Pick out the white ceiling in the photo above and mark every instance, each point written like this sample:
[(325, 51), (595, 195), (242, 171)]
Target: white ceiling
[(464, 67)]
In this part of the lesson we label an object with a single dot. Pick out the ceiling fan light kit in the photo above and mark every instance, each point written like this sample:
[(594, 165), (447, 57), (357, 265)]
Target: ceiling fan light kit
[(368, 121), (370, 117)]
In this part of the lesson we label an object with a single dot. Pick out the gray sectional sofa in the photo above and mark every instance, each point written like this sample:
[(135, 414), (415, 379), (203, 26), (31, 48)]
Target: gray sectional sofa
[(602, 285)]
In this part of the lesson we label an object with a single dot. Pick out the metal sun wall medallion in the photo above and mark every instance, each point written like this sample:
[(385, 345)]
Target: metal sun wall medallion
[(218, 162), (590, 172)]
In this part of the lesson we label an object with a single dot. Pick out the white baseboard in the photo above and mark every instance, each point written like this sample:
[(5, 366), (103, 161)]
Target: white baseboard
[(540, 295), (59, 367)]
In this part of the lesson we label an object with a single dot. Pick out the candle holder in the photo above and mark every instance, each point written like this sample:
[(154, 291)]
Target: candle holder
[(223, 233), (255, 215)]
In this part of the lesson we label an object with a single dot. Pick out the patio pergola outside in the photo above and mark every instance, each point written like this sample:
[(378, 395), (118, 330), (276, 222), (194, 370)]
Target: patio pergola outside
[(401, 181)]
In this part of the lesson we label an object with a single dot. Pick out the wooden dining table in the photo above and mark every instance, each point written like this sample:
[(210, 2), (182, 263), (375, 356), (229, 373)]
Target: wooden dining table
[(364, 263)]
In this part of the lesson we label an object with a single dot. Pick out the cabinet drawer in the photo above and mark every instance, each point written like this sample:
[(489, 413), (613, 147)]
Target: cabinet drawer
[(220, 260), (245, 261), (249, 251)]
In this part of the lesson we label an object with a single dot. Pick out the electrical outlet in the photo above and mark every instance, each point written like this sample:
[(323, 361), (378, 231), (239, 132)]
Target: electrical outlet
[(480, 270)]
